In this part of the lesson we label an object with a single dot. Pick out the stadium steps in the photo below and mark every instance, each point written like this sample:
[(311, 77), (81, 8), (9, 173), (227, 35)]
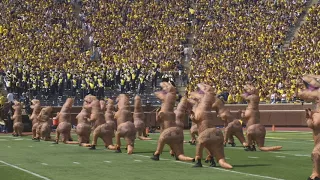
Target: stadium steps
[(294, 31)]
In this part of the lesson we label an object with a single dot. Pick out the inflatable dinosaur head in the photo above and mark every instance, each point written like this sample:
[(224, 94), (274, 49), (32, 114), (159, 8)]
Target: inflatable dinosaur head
[(184, 104), (123, 101), (35, 101), (312, 91), (205, 89), (89, 98), (45, 113), (68, 103), (137, 104), (110, 105), (103, 105), (250, 90), (168, 87), (17, 106)]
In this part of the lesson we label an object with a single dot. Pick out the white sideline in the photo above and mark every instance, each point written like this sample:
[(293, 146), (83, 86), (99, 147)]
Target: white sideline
[(220, 169), (27, 171)]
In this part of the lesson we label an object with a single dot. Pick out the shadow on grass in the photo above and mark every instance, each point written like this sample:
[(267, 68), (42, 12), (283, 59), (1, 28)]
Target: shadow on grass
[(250, 165)]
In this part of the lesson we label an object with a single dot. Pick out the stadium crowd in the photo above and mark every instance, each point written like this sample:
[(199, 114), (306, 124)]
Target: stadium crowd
[(236, 42), (88, 46)]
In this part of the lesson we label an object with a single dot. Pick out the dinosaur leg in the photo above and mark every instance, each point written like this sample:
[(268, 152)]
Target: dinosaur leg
[(315, 157), (209, 157), (34, 131), (161, 142), (178, 149), (57, 137), (142, 135), (130, 144), (171, 151), (199, 152), (250, 146), (241, 138), (231, 141), (96, 134), (193, 138), (118, 142), (217, 150), (108, 142)]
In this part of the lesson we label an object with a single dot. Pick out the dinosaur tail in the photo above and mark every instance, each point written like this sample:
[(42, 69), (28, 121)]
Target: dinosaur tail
[(224, 164), (182, 157), (272, 148), (72, 142), (143, 138), (112, 147)]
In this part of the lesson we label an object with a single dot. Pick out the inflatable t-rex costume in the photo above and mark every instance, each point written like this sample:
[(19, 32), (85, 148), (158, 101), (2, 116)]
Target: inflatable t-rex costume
[(102, 129), (44, 124), (64, 117), (34, 116), (255, 132), (182, 111), (17, 119), (109, 114), (171, 134), (83, 128), (125, 126), (233, 126), (209, 137), (312, 93), (139, 119)]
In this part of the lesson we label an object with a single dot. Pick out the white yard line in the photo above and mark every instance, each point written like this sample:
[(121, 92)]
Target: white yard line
[(45, 164), (252, 157), (280, 156), (107, 161), (76, 163), (27, 171), (219, 169), (137, 160)]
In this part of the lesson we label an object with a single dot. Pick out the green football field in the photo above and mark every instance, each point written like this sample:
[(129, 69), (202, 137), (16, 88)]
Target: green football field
[(23, 159)]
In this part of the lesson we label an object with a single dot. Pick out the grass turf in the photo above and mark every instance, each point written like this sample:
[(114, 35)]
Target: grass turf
[(61, 162)]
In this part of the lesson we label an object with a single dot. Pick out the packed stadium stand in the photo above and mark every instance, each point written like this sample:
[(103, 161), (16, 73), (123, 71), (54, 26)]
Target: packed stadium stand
[(237, 42), (55, 49)]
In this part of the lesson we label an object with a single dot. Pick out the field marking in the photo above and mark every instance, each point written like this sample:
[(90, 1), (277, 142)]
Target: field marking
[(27, 171), (30, 146), (252, 157), (270, 137), (9, 146), (19, 139), (3, 139), (280, 156), (45, 164), (76, 163), (236, 172), (302, 155), (137, 160), (107, 161)]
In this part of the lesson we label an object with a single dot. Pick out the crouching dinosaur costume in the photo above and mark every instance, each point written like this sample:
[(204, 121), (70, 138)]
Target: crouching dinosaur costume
[(125, 126), (233, 126), (17, 119), (102, 129), (139, 119), (209, 137), (83, 128), (312, 93), (34, 116), (170, 133), (64, 117), (45, 123), (256, 132)]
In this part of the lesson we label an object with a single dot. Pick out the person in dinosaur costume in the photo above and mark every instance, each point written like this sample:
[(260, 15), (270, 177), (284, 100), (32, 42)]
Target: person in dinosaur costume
[(102, 129), (45, 122), (36, 106), (83, 128), (312, 93), (139, 119), (194, 127), (170, 133), (17, 119), (109, 114), (256, 132), (64, 117), (182, 111), (209, 137), (233, 126), (125, 126)]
